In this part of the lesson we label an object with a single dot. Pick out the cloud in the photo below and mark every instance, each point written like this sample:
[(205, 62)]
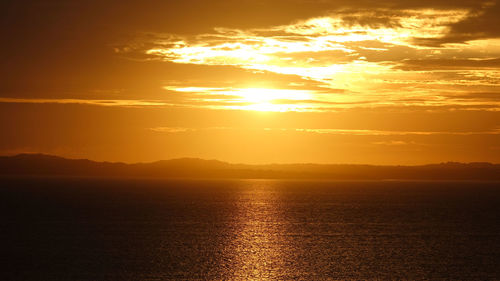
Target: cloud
[(171, 129), (482, 23), (346, 53), (264, 99), (350, 132), (122, 103), (393, 143), (378, 57), (450, 64)]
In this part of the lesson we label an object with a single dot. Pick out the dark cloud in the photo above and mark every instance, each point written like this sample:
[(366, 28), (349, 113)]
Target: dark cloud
[(481, 24), (448, 64), (481, 96), (373, 18)]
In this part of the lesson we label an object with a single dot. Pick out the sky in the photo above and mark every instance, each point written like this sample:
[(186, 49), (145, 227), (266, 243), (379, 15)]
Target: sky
[(261, 81)]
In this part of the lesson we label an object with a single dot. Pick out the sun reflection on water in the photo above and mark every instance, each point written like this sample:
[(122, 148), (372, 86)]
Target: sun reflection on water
[(258, 248)]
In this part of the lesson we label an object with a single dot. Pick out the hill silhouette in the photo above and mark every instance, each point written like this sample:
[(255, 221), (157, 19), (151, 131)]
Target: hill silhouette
[(48, 165)]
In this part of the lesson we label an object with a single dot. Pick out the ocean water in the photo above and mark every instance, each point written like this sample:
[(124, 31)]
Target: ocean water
[(105, 229)]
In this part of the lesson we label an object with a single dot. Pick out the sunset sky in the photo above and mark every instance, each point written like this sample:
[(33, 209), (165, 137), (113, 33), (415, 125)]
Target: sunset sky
[(252, 81)]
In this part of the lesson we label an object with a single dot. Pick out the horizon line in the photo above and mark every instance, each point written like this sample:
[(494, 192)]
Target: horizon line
[(240, 163)]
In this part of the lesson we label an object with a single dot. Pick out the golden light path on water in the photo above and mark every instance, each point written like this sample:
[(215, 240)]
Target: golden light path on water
[(258, 251)]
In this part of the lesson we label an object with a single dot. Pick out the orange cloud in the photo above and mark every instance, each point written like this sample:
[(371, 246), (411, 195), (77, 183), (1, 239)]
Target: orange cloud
[(374, 56)]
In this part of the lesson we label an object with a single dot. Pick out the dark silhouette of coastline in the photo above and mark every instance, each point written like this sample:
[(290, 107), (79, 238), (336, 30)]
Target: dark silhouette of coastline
[(47, 165)]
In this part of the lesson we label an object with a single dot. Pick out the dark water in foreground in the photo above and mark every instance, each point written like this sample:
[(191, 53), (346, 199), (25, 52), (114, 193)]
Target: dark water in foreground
[(95, 229)]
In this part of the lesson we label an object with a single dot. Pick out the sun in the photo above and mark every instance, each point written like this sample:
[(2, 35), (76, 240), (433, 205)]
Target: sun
[(252, 98), (265, 99)]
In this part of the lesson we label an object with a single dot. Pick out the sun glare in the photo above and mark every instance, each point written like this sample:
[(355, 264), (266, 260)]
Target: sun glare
[(264, 99), (263, 95), (257, 99)]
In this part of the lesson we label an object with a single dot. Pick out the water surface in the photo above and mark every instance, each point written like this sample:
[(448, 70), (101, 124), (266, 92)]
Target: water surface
[(104, 229)]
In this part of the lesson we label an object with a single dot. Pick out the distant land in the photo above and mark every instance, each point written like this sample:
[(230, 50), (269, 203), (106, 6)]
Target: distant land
[(48, 165)]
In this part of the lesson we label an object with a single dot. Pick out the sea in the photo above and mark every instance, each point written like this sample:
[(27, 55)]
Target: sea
[(56, 228)]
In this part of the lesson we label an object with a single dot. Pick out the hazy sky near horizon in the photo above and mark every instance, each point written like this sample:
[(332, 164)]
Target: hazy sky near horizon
[(379, 82)]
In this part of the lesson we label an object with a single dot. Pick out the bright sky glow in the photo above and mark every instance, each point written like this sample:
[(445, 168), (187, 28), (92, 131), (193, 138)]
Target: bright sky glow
[(253, 81), (375, 64)]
